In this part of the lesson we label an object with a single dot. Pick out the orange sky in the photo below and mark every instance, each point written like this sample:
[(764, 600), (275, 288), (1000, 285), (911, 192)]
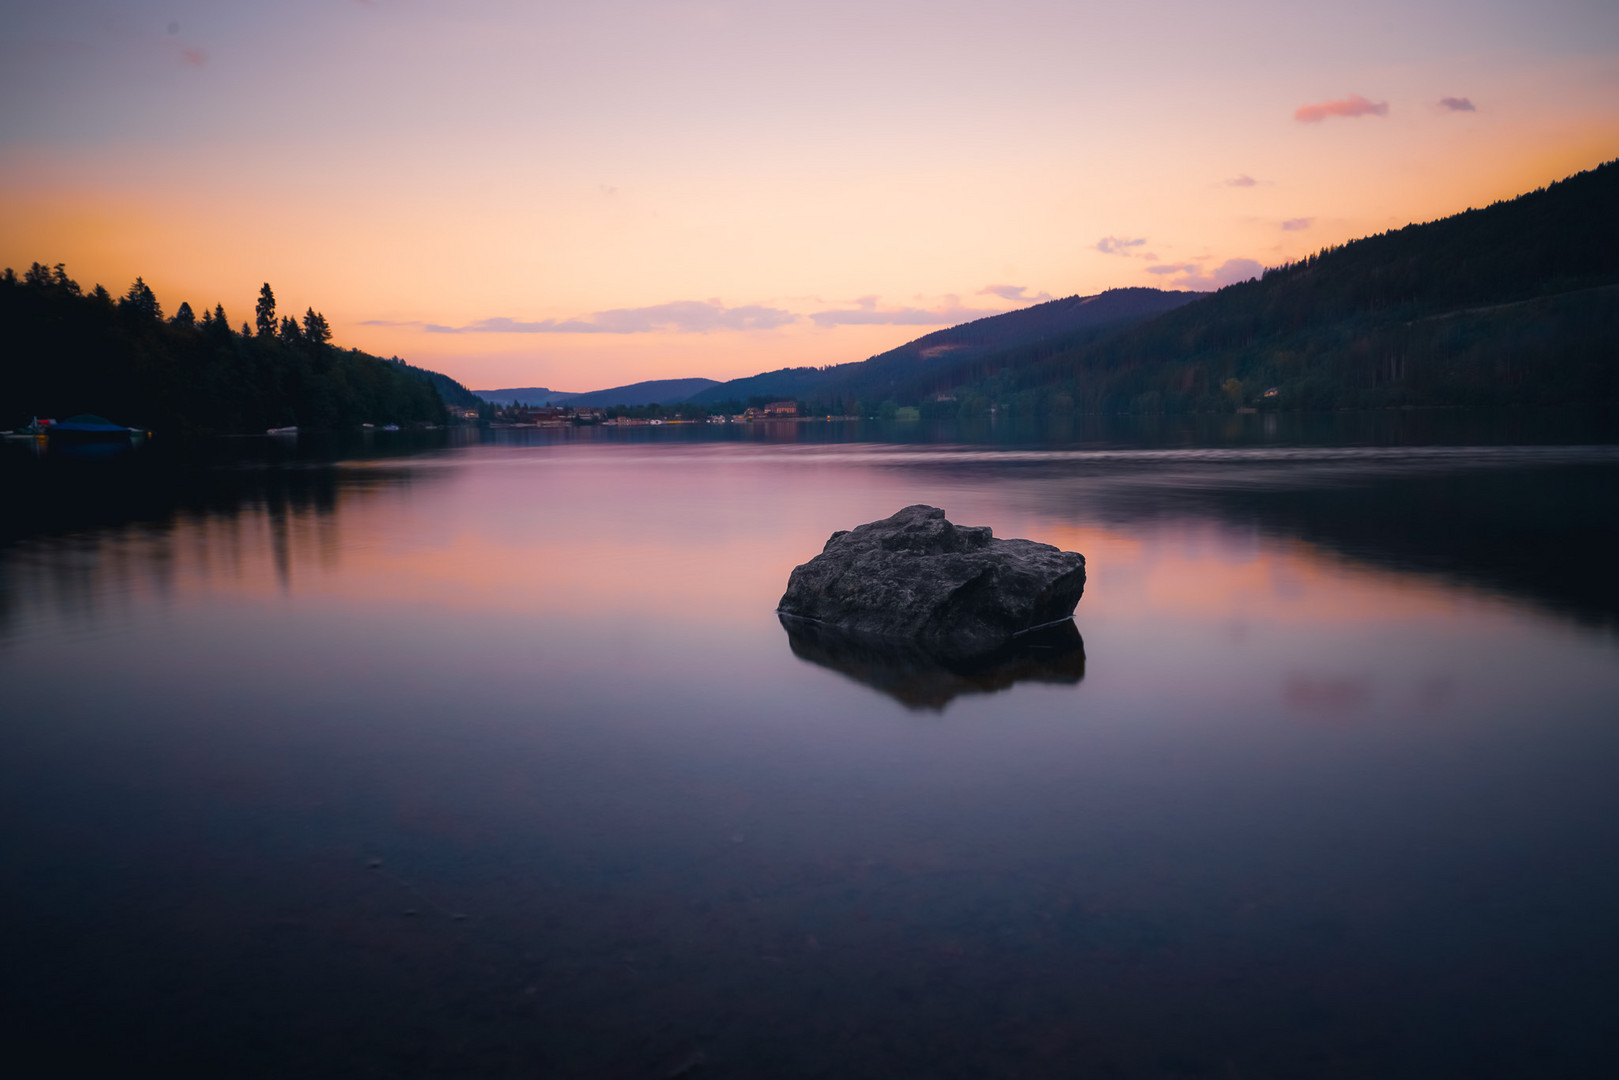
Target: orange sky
[(579, 196)]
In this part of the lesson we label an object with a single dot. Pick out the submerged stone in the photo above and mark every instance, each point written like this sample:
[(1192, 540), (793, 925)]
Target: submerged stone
[(915, 576)]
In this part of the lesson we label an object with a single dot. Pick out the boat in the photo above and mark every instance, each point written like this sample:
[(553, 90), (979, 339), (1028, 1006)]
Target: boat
[(35, 429), (88, 427)]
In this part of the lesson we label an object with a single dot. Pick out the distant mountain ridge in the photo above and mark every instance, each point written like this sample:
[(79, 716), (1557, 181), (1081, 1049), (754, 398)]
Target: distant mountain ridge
[(650, 392), (944, 357), (525, 395)]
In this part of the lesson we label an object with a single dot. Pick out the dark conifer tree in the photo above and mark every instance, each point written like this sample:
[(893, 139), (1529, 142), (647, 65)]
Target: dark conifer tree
[(264, 312), (60, 279), (289, 333), (184, 317), (317, 331), (141, 301)]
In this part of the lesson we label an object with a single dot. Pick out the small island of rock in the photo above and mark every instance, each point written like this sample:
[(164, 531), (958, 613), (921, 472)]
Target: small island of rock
[(952, 589)]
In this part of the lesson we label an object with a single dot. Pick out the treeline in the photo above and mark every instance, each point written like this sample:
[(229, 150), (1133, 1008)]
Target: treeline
[(68, 351), (451, 391), (1514, 304), (696, 410)]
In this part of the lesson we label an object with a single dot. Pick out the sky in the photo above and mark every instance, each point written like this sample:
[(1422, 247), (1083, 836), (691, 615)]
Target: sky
[(583, 195)]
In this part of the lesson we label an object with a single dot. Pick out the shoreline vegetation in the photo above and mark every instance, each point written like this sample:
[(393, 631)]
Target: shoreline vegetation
[(182, 377), (1513, 305)]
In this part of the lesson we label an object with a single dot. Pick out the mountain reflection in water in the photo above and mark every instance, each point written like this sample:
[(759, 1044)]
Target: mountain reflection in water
[(919, 679)]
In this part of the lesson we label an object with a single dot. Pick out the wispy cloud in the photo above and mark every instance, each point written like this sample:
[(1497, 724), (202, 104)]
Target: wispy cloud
[(1016, 293), (1227, 273), (193, 57), (1119, 245), (1173, 268), (1241, 181), (1456, 104), (867, 314), (1297, 224), (681, 316), (1350, 107)]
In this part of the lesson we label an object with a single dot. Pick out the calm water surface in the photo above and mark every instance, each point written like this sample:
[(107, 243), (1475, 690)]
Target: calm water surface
[(493, 760)]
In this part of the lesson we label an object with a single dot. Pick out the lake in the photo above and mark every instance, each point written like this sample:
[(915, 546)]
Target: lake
[(488, 756)]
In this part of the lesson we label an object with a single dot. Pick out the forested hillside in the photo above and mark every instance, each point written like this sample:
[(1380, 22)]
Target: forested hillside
[(452, 392), (1517, 303), (67, 351)]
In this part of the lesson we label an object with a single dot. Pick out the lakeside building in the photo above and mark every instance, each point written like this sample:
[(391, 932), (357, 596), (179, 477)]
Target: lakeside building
[(547, 415), (776, 410)]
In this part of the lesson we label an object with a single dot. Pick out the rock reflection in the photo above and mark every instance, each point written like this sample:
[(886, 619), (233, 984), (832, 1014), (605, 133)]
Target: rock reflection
[(920, 679)]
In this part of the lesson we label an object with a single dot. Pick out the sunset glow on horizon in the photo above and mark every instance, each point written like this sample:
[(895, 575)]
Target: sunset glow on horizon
[(581, 196)]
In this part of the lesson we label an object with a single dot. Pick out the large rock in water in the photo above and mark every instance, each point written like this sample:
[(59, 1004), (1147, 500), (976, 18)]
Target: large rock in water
[(953, 589)]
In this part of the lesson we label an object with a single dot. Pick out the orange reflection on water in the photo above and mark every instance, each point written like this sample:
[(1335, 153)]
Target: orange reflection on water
[(701, 543), (1202, 571)]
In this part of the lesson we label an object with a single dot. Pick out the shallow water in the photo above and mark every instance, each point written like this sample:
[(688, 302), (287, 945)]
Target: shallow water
[(493, 759)]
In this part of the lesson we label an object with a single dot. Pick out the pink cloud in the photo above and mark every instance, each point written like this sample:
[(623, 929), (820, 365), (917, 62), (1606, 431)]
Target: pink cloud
[(1118, 245), (949, 314), (1456, 104), (1227, 273), (1296, 224), (193, 57), (1241, 181), (1352, 106), (680, 316), (1017, 293)]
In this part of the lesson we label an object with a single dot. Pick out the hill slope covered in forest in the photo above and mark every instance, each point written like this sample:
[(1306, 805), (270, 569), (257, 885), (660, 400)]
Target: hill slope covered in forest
[(1516, 303)]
